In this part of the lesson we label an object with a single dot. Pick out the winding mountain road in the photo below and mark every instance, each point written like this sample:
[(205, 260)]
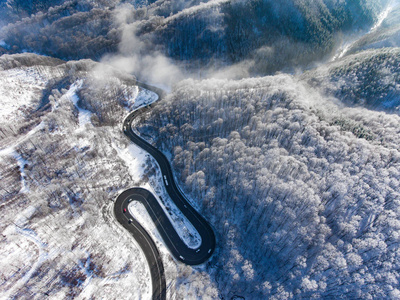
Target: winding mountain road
[(169, 235)]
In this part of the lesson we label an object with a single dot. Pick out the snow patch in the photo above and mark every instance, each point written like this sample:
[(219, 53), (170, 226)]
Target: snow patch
[(21, 164), (84, 115), (134, 158), (139, 212), (7, 151), (144, 97), (186, 231), (20, 90)]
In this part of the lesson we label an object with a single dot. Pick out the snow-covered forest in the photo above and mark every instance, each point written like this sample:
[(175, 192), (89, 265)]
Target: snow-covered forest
[(264, 36), (281, 122), (303, 191)]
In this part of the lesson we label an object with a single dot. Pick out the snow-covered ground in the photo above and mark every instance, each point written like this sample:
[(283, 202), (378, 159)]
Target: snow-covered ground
[(144, 97), (53, 245), (20, 91), (41, 248), (84, 115), (133, 156), (58, 180), (21, 164), (183, 227)]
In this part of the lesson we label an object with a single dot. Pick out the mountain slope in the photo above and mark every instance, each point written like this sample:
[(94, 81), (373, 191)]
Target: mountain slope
[(63, 160), (266, 36), (302, 191)]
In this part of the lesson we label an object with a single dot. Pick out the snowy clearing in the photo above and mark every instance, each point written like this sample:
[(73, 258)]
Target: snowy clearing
[(84, 115), (20, 91)]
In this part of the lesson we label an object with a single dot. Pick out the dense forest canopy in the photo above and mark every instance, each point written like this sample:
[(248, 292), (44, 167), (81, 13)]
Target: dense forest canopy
[(303, 193), (264, 35)]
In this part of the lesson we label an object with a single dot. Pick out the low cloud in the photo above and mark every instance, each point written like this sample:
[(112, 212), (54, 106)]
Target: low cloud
[(136, 56), (141, 52)]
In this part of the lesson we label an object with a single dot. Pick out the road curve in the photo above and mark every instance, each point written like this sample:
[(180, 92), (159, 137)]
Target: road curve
[(143, 239), (169, 235)]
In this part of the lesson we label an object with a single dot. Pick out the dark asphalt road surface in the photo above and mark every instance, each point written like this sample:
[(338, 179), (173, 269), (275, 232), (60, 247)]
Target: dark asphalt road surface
[(171, 238), (142, 238)]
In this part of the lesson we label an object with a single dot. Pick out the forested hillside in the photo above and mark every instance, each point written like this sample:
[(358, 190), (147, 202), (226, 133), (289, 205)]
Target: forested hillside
[(369, 78), (264, 35), (63, 160), (303, 193)]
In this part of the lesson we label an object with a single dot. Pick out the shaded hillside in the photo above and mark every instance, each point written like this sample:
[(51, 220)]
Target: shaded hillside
[(272, 35), (370, 79)]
